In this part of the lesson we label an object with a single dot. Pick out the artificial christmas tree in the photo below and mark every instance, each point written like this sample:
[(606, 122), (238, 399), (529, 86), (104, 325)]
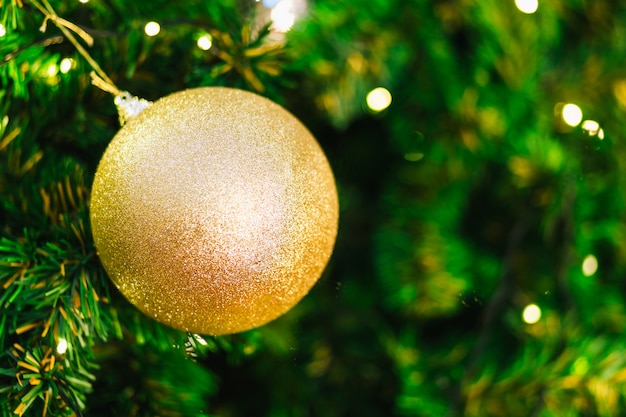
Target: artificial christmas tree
[(480, 260)]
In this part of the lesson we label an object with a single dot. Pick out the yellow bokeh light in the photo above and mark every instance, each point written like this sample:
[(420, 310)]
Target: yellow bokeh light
[(378, 99), (66, 65), (527, 6), (205, 42), (619, 90), (572, 114), (152, 28), (84, 1), (601, 134), (3, 30), (62, 346), (52, 70), (590, 265), (531, 314)]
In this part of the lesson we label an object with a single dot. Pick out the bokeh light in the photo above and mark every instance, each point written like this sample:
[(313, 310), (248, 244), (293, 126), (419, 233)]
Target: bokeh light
[(592, 128), (66, 65), (378, 99), (531, 314), (619, 90), (205, 42), (572, 114), (152, 28), (527, 6), (3, 30), (52, 70), (590, 265), (62, 346), (283, 16)]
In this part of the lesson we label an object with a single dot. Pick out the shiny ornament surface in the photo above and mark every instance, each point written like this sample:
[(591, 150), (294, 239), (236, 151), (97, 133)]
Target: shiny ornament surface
[(214, 211)]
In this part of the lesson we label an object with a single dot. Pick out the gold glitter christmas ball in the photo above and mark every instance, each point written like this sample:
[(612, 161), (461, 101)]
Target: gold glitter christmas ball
[(214, 210)]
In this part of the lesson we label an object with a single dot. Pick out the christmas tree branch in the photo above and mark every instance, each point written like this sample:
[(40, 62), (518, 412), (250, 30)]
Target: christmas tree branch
[(53, 304), (492, 312), (65, 27), (562, 278), (568, 224)]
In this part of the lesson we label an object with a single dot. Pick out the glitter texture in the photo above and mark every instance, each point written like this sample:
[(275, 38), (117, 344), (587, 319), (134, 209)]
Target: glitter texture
[(214, 210)]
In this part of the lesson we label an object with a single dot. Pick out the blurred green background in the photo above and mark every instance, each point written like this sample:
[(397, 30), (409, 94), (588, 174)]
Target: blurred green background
[(479, 267)]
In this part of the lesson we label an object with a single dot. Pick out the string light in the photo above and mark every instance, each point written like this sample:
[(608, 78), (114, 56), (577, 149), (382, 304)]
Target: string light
[(590, 265), (152, 28), (205, 42), (527, 6), (378, 99), (531, 314), (3, 30), (572, 114), (66, 65), (62, 346)]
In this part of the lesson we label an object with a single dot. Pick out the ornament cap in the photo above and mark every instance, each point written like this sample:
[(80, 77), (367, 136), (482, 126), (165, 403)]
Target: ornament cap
[(129, 106)]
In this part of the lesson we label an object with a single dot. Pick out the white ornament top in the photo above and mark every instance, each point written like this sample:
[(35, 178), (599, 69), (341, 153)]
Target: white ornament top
[(129, 106)]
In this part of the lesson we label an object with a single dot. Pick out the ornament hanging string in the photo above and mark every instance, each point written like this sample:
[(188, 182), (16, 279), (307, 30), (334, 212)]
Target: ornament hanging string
[(67, 28), (127, 105)]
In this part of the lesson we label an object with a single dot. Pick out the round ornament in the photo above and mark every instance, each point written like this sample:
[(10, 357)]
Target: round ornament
[(214, 210)]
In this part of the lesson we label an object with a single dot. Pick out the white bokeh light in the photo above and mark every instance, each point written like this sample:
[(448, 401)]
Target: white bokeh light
[(205, 42), (378, 99), (283, 16), (66, 65), (152, 28), (590, 265), (531, 314), (62, 346), (527, 6), (572, 114)]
